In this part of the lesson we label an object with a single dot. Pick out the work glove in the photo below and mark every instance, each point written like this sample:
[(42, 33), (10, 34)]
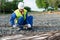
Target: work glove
[(14, 26), (29, 26)]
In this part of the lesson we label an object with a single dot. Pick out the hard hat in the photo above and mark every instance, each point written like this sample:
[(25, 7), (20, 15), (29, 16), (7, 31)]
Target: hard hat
[(20, 5)]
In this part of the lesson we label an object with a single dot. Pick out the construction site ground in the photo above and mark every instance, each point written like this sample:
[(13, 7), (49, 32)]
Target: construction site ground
[(46, 27)]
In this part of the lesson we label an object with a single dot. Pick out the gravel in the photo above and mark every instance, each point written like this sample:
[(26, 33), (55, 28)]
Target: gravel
[(46, 27)]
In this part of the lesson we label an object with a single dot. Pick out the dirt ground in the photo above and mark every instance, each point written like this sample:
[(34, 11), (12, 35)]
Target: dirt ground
[(47, 27)]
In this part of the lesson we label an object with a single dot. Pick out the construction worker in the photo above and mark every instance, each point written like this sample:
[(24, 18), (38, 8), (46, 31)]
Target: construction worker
[(20, 17)]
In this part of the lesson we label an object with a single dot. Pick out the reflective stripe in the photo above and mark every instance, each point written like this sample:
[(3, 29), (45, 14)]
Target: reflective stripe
[(18, 14)]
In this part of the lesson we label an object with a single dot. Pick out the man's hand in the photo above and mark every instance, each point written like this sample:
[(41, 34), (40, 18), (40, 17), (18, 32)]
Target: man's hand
[(14, 26), (29, 26)]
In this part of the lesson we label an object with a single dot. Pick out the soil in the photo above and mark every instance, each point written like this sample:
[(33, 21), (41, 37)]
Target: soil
[(46, 26)]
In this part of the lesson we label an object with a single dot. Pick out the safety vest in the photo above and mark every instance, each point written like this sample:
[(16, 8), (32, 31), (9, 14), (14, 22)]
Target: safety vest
[(18, 14)]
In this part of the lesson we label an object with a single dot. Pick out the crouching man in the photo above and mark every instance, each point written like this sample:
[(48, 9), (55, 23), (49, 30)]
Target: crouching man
[(20, 17)]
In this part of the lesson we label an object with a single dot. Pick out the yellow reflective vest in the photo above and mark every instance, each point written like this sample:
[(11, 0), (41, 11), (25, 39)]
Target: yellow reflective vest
[(18, 14)]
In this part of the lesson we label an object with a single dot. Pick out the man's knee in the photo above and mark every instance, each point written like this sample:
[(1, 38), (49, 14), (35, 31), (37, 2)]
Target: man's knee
[(30, 17)]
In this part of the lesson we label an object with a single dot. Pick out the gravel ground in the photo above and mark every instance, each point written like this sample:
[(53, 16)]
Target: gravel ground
[(48, 26), (45, 21), (34, 36)]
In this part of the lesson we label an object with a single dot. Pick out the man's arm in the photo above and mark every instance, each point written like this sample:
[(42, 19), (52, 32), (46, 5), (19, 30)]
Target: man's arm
[(27, 20), (12, 18)]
